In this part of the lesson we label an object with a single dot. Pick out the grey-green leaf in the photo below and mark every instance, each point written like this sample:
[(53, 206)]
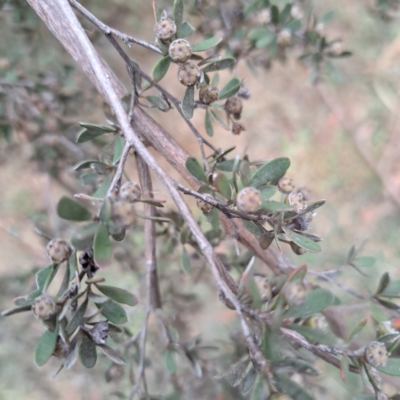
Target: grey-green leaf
[(102, 250), (302, 241), (169, 361), (16, 310), (206, 44), (113, 312), (295, 391), (248, 379), (119, 295), (188, 102), (72, 210), (392, 289), (208, 124), (230, 89), (219, 65), (357, 329), (185, 261), (252, 227), (392, 367), (383, 283), (267, 192), (83, 237), (294, 364), (316, 301), (178, 12), (77, 318), (185, 30), (364, 262), (46, 346), (87, 352), (218, 120), (194, 167), (161, 68), (271, 172), (158, 102), (91, 131), (223, 186), (112, 354), (275, 206)]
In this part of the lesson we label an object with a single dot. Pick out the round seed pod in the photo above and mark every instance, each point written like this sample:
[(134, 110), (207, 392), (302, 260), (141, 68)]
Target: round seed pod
[(165, 29), (61, 349), (317, 321), (376, 354), (129, 191), (180, 50), (58, 250), (301, 222), (237, 128), (297, 249), (294, 293), (99, 332), (115, 372), (248, 200), (319, 28), (263, 286), (279, 396), (284, 37), (208, 94), (285, 185), (244, 92), (264, 16), (305, 193), (189, 74), (234, 106), (43, 307), (205, 207), (336, 49), (296, 12), (123, 214)]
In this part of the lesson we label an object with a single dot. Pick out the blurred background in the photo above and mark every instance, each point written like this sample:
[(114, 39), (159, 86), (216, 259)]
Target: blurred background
[(342, 136)]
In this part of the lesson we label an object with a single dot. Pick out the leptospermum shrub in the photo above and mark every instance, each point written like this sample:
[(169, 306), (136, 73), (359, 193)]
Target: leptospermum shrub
[(250, 205)]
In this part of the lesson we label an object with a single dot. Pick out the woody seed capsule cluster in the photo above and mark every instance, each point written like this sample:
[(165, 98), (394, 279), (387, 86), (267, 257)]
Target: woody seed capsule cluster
[(234, 106), (263, 286), (295, 293), (129, 192), (248, 200), (123, 214), (285, 185), (208, 94), (205, 207), (336, 49), (376, 354), (43, 307), (58, 250), (180, 50), (165, 29), (296, 201), (237, 128), (284, 37), (189, 74), (317, 321)]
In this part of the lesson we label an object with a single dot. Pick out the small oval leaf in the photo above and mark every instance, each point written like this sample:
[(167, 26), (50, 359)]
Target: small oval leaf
[(230, 89), (302, 241), (119, 295), (102, 250), (208, 124), (219, 65), (206, 44), (161, 68), (113, 312), (194, 167), (271, 172), (46, 346), (87, 353), (72, 210), (188, 102)]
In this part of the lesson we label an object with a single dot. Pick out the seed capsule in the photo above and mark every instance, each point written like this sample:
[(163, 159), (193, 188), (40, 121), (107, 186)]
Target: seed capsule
[(123, 214), (189, 74), (279, 396), (297, 249), (376, 354), (180, 50), (208, 94), (44, 307), (129, 192), (295, 293), (58, 250), (386, 328), (248, 200), (296, 201), (284, 37), (285, 185), (165, 29), (237, 128), (99, 332), (205, 207), (317, 321), (263, 286), (234, 106), (336, 49)]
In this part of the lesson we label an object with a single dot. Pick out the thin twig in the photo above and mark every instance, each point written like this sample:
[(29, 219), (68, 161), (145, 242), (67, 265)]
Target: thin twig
[(116, 182)]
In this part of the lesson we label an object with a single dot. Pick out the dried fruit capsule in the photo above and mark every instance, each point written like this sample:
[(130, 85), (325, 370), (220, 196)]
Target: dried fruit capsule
[(244, 92), (99, 332), (204, 206), (58, 250), (189, 74), (284, 37), (263, 286), (208, 94), (296, 12), (317, 321), (129, 192), (180, 50), (305, 193), (165, 29), (248, 200), (285, 185), (264, 16), (295, 293), (296, 201), (61, 349), (237, 128), (376, 354), (123, 214), (44, 307), (234, 106)]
